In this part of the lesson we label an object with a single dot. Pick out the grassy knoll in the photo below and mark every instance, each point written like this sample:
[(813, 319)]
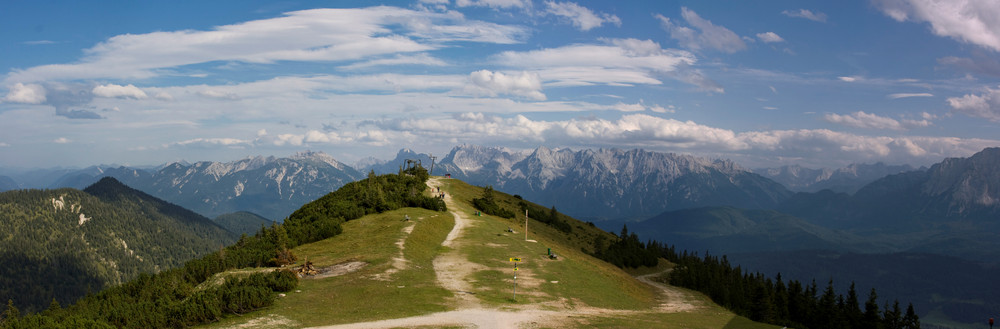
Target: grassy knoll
[(360, 296)]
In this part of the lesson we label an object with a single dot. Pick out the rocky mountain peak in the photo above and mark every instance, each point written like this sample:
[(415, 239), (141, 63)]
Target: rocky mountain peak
[(968, 182), (320, 157)]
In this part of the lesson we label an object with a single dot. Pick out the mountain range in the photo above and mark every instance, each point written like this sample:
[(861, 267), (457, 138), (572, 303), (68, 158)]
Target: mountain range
[(267, 186), (846, 180), (606, 183)]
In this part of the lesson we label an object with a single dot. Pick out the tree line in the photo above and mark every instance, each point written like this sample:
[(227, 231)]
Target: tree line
[(756, 296)]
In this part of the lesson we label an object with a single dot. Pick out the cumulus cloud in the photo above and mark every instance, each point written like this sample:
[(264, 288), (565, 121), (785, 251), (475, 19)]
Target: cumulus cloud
[(907, 95), (769, 37), (861, 119), (985, 105), (316, 35), (522, 84), (583, 18), (25, 93), (116, 91), (970, 21), (807, 14), (62, 140), (701, 34), (848, 79)]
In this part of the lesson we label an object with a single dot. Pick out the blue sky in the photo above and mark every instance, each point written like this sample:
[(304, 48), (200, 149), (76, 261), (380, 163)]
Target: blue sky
[(816, 83)]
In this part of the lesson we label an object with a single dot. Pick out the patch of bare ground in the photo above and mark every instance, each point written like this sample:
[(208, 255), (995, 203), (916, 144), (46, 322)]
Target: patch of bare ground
[(269, 321), (338, 270), (399, 262)]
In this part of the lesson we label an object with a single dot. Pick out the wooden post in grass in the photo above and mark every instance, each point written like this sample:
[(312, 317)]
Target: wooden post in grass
[(525, 224)]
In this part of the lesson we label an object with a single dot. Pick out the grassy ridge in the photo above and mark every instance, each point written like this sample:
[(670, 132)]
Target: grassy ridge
[(580, 280)]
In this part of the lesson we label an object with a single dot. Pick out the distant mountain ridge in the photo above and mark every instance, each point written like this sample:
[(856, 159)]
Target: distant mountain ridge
[(610, 183), (846, 180), (269, 186), (954, 191)]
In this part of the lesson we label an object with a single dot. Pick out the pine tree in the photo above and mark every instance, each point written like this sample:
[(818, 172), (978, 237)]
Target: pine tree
[(852, 310), (11, 315), (911, 320), (892, 318), (872, 318)]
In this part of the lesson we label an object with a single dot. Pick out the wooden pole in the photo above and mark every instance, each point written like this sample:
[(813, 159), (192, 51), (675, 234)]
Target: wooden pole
[(525, 224)]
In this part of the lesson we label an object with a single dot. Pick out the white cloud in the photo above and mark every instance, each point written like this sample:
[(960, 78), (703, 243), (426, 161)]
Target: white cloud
[(848, 79), (2, 144), (907, 95), (317, 35), (418, 59), (642, 130), (621, 62), (769, 37), (807, 14), (522, 84), (970, 21), (496, 4), (62, 140), (212, 142), (703, 35), (25, 93), (861, 119), (217, 94), (985, 105), (163, 96), (116, 91), (582, 17)]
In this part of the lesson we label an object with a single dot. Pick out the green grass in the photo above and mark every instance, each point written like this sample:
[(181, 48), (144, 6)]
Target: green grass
[(357, 296), (580, 280)]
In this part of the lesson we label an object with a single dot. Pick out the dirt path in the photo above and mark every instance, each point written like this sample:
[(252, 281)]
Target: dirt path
[(452, 267), (673, 300)]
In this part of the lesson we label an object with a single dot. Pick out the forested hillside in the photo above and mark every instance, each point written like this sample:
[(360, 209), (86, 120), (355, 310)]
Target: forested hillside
[(62, 244), (176, 297)]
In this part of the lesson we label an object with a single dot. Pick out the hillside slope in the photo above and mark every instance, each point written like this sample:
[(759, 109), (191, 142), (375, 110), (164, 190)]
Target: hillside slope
[(454, 270), (62, 244)]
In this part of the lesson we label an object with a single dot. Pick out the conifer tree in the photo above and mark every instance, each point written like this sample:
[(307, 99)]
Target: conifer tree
[(911, 320), (852, 310), (872, 319)]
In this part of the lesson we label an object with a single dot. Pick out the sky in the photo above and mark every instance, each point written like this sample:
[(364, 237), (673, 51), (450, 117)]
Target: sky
[(764, 83)]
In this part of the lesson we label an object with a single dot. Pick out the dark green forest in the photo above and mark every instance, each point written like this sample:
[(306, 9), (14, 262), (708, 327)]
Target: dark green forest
[(171, 299), (758, 297)]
